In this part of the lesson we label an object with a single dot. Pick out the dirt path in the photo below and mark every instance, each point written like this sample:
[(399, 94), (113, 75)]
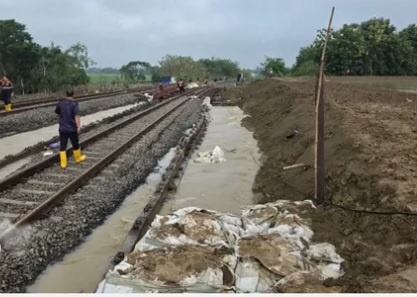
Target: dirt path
[(371, 159)]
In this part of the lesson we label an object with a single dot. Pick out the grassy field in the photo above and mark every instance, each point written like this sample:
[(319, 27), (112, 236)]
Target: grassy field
[(104, 77)]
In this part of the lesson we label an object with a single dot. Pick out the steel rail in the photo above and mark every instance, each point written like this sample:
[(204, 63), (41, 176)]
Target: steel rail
[(19, 107), (16, 177), (81, 179), (185, 148)]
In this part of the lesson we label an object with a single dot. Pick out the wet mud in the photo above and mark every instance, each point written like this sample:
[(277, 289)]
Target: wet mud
[(370, 138)]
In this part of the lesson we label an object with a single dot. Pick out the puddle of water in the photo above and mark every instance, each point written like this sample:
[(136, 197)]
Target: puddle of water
[(83, 269), (222, 186), (6, 170), (18, 142)]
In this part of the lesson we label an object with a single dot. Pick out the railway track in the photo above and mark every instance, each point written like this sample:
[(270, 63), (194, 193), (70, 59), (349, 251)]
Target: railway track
[(31, 193), (24, 105)]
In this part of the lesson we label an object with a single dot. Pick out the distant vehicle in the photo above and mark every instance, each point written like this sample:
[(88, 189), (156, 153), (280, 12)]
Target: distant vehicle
[(167, 80)]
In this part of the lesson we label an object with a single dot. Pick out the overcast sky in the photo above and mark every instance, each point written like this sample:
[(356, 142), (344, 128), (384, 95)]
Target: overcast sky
[(118, 31)]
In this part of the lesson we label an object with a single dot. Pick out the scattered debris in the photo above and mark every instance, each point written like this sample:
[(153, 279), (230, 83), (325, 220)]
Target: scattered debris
[(214, 156), (149, 97), (294, 166), (48, 153), (54, 145), (294, 133), (192, 85), (207, 103)]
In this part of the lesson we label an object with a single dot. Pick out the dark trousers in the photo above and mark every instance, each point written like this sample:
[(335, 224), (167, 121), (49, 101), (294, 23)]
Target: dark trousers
[(63, 140), (6, 96), (182, 90)]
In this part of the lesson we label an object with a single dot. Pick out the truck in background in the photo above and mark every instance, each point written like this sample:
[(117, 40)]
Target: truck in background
[(168, 80)]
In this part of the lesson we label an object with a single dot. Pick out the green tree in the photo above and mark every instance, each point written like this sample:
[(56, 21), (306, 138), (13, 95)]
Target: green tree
[(218, 68), (56, 69), (305, 64), (34, 68), (79, 53), (276, 64), (373, 47), (156, 74), (18, 53), (184, 67), (135, 71)]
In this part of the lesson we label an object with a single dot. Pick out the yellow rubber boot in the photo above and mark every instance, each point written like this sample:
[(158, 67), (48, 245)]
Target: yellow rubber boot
[(6, 107), (63, 157), (78, 156), (10, 106)]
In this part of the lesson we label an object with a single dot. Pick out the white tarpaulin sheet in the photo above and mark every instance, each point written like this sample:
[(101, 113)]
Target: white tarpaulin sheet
[(199, 250)]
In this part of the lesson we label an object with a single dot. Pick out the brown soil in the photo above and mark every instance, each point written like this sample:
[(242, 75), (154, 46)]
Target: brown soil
[(371, 161), (173, 264)]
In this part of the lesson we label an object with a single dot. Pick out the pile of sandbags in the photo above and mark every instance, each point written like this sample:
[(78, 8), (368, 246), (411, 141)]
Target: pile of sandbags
[(197, 250)]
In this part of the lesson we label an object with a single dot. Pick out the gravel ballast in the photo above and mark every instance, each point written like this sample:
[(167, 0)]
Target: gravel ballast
[(45, 116), (47, 241)]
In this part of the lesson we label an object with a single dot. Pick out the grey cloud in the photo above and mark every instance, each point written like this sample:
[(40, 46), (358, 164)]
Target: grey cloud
[(244, 30)]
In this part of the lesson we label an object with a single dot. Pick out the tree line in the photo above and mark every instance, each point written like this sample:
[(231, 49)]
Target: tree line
[(34, 68), (182, 67), (373, 47)]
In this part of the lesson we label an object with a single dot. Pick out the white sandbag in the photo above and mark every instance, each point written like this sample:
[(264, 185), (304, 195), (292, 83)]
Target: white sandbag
[(215, 156), (192, 85), (195, 250), (274, 252), (328, 261), (192, 226), (251, 277), (206, 102), (185, 266)]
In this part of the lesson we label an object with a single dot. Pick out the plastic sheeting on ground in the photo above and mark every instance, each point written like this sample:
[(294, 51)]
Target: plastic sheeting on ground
[(214, 156), (192, 85), (206, 102), (266, 249), (148, 97)]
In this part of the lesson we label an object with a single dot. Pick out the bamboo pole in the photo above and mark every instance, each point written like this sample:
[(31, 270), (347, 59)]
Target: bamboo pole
[(319, 173), (293, 166)]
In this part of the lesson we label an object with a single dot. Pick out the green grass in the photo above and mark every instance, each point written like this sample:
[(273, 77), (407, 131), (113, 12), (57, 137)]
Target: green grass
[(103, 78), (108, 78)]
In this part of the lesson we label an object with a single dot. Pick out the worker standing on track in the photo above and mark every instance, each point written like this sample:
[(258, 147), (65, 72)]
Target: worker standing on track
[(6, 93), (69, 128), (181, 86)]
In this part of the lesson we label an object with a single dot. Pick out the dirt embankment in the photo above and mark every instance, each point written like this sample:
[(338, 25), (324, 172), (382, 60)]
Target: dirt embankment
[(371, 160)]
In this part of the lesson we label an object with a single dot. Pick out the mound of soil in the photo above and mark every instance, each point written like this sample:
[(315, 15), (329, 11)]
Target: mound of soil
[(371, 159)]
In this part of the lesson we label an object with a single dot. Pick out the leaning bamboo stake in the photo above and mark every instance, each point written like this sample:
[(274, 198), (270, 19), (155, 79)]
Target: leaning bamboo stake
[(319, 173), (293, 166)]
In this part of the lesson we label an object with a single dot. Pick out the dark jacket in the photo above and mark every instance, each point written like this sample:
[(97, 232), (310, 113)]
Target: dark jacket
[(67, 109)]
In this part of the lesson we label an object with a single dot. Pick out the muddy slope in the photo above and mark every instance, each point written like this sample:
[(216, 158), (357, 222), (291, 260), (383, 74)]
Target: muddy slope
[(370, 166)]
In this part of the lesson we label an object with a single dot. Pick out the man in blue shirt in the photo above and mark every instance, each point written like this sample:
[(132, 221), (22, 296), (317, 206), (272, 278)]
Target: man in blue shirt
[(69, 128)]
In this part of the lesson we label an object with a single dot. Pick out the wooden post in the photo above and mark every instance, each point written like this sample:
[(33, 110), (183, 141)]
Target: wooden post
[(319, 166)]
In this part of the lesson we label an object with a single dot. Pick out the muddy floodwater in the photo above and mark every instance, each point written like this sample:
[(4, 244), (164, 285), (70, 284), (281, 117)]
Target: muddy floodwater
[(83, 269), (6, 170), (18, 142), (222, 186)]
